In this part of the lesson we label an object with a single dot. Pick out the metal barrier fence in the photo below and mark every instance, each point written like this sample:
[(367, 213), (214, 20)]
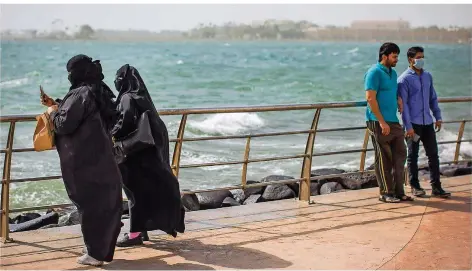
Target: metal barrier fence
[(305, 176)]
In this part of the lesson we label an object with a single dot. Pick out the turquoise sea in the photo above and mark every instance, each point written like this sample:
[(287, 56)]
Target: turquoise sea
[(214, 74)]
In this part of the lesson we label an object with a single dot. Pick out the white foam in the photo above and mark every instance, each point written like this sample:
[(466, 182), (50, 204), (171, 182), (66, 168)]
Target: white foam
[(14, 83), (353, 50), (228, 124), (198, 157), (180, 62), (446, 151), (33, 73)]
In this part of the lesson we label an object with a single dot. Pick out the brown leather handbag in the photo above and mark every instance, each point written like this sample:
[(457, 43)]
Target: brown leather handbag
[(43, 138)]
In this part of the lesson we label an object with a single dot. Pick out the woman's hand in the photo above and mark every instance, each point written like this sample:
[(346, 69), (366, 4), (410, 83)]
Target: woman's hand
[(46, 100), (52, 109)]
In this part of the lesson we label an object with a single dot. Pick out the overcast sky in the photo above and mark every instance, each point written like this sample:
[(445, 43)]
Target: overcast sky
[(157, 17)]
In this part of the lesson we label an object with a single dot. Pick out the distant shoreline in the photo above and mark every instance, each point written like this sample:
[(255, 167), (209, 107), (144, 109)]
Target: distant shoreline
[(184, 40)]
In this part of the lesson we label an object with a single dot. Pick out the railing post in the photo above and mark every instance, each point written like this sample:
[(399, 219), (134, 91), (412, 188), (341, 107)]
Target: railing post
[(4, 220), (305, 192), (458, 143), (246, 161), (364, 150), (178, 146)]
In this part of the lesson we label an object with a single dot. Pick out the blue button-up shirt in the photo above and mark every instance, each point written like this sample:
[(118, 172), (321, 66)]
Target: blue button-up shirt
[(419, 98)]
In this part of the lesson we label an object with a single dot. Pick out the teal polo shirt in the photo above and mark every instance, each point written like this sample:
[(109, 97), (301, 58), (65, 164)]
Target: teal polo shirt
[(384, 81)]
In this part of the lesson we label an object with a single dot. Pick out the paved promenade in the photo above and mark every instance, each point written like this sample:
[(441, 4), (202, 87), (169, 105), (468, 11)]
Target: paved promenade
[(347, 230)]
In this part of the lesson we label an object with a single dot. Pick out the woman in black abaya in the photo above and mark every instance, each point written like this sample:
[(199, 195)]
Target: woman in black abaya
[(91, 176), (149, 182)]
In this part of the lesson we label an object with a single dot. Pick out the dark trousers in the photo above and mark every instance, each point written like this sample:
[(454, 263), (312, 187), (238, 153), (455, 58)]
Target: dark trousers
[(390, 156), (428, 137)]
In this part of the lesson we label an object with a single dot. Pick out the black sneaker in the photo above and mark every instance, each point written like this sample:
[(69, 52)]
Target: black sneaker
[(439, 192), (125, 241), (417, 191)]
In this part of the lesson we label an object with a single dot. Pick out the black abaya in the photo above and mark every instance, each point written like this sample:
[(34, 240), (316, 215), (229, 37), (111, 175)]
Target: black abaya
[(149, 182), (91, 176)]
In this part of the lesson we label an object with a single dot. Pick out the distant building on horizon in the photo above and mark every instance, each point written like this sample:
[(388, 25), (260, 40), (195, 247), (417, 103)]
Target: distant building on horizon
[(380, 25)]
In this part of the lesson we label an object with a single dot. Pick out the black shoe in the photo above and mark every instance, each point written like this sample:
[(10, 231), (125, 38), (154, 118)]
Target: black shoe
[(439, 192), (417, 191), (145, 236), (125, 241)]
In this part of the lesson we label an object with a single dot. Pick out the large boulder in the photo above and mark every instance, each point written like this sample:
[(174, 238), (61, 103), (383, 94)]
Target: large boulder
[(253, 199), (213, 199), (238, 195), (455, 170), (463, 171), (36, 223), (315, 188), (190, 202), (330, 187), (272, 178), (229, 202), (62, 211), (327, 171), (370, 181), (22, 218), (356, 181), (72, 218), (278, 191), (252, 190)]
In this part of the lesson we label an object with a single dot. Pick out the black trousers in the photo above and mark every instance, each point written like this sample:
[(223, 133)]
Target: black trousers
[(428, 137)]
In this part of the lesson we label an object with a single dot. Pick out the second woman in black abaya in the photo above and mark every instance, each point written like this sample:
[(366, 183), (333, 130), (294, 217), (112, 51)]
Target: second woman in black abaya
[(149, 182)]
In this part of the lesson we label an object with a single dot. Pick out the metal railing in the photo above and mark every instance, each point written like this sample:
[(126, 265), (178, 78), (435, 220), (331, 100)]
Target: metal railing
[(305, 175)]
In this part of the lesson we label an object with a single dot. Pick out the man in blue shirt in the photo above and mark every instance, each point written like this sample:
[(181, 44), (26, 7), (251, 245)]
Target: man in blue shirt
[(415, 87), (387, 134)]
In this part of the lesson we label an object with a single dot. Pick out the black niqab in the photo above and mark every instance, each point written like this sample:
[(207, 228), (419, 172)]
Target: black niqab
[(83, 71)]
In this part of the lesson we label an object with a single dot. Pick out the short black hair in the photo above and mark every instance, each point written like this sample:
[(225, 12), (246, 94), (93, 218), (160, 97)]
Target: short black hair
[(387, 49), (413, 51)]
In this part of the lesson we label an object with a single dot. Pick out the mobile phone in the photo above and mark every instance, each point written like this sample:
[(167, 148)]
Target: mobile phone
[(41, 92), (416, 137)]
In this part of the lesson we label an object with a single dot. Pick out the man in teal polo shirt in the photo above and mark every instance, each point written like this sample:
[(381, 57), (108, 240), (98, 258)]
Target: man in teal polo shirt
[(387, 134)]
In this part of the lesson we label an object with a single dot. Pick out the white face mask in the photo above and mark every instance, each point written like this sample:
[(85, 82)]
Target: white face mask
[(419, 63)]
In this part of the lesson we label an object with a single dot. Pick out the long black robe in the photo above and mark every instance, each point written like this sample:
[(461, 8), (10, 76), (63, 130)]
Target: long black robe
[(91, 176), (149, 182)]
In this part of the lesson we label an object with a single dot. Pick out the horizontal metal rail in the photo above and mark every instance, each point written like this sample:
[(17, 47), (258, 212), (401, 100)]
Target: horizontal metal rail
[(55, 177), (305, 177), (248, 109)]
